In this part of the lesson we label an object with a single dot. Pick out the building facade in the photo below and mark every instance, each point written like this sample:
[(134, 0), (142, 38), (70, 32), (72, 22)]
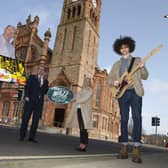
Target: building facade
[(74, 56), (31, 50)]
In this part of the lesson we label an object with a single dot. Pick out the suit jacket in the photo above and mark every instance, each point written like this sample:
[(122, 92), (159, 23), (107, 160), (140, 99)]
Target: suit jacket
[(33, 89), (142, 73)]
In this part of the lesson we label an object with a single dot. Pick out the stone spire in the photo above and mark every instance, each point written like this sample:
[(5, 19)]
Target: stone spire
[(43, 57), (33, 32)]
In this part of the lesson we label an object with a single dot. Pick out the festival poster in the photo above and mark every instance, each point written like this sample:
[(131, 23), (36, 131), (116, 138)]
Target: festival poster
[(12, 70)]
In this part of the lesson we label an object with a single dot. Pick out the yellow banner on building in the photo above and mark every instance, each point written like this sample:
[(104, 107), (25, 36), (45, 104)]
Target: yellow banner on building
[(12, 70)]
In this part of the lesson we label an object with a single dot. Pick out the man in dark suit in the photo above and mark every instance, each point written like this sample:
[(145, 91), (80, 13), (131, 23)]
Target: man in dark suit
[(35, 88)]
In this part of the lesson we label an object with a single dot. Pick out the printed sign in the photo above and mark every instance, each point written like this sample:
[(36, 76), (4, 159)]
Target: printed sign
[(12, 70), (60, 94)]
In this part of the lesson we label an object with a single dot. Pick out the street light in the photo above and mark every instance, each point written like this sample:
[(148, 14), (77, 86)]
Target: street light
[(166, 16)]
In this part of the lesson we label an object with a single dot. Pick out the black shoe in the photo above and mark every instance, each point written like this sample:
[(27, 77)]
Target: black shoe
[(81, 149), (32, 140)]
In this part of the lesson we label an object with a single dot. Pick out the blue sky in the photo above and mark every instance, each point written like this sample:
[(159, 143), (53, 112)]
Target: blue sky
[(143, 20)]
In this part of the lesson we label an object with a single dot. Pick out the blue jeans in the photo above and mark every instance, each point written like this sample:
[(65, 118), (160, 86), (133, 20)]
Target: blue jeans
[(130, 99)]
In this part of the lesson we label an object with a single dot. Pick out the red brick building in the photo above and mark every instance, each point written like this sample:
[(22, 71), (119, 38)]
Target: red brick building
[(73, 57)]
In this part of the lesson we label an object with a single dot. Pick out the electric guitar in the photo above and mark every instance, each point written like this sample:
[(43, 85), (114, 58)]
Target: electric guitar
[(126, 79)]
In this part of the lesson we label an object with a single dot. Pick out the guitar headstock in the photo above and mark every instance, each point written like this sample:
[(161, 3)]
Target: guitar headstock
[(154, 51)]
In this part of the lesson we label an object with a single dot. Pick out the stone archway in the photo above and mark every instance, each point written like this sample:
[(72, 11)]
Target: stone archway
[(55, 114)]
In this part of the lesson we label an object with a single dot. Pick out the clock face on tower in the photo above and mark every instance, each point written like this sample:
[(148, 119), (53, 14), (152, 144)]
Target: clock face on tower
[(94, 3)]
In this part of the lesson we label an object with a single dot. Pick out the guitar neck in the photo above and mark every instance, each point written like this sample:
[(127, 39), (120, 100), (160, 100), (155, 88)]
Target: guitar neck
[(154, 51)]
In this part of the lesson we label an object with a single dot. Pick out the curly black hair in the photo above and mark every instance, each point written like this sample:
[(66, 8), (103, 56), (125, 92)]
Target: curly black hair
[(124, 41)]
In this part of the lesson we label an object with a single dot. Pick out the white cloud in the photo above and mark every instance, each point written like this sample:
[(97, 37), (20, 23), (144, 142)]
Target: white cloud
[(155, 101), (41, 12), (47, 13), (157, 86), (49, 18)]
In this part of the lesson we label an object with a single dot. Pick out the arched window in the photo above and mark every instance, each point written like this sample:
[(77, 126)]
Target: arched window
[(95, 121), (91, 11), (79, 10), (69, 13), (93, 16), (110, 123), (74, 37), (98, 93), (94, 46), (5, 109), (89, 39), (64, 39), (96, 18), (74, 11), (21, 53), (104, 123), (18, 109), (34, 53), (16, 104)]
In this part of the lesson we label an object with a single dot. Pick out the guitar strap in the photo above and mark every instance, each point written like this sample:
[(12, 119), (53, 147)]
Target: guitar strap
[(131, 64)]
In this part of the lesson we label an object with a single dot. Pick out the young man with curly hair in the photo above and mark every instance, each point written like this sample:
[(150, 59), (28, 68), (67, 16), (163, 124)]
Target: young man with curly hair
[(132, 97)]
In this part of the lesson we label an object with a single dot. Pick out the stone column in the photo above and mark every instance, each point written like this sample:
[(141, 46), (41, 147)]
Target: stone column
[(43, 57), (33, 32)]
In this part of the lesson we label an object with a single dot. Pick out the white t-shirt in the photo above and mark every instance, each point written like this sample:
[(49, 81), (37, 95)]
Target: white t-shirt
[(6, 48)]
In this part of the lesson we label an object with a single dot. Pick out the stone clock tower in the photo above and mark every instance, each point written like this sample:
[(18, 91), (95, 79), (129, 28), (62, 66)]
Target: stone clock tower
[(76, 45)]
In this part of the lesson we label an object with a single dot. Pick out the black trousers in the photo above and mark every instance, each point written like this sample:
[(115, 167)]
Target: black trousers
[(30, 108), (83, 131)]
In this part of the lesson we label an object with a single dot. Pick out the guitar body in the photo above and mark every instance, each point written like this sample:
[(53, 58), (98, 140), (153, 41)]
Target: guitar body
[(120, 90), (126, 79)]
